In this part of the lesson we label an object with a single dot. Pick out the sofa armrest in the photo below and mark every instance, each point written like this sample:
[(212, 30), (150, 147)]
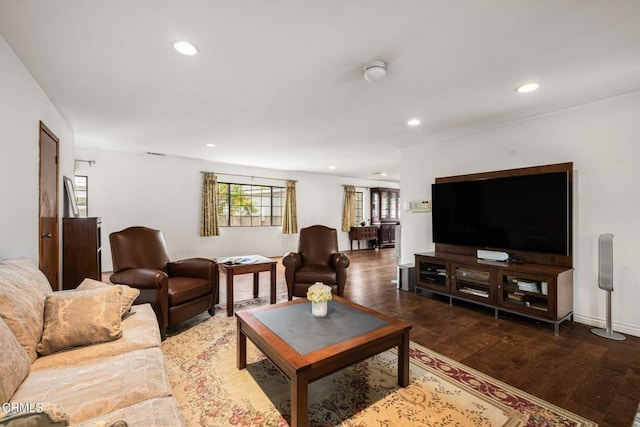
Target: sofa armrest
[(201, 268), (140, 278)]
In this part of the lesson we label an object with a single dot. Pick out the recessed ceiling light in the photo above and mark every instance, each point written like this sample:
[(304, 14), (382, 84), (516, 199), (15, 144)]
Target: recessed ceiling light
[(332, 167), (211, 145), (413, 122), (527, 87), (185, 48)]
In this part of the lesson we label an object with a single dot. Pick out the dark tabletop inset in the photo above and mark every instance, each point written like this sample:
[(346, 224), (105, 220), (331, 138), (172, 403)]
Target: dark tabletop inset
[(306, 333)]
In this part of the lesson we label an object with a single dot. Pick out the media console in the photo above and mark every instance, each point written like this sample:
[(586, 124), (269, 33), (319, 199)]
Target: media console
[(541, 292)]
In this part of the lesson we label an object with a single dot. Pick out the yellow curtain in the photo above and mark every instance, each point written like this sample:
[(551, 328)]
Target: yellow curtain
[(290, 217), (209, 213), (349, 212)]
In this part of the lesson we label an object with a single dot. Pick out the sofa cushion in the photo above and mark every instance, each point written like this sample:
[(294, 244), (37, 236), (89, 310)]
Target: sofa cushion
[(311, 273), (128, 294), (139, 331), (22, 302), (95, 388), (14, 363), (73, 318), (185, 289), (29, 414)]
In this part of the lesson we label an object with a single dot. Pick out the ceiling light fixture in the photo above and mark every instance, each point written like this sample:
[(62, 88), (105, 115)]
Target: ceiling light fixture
[(332, 167), (413, 122), (374, 71), (527, 87), (185, 48), (211, 145)]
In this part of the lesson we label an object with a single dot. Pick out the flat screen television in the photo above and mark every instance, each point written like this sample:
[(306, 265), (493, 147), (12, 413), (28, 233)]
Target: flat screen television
[(526, 213)]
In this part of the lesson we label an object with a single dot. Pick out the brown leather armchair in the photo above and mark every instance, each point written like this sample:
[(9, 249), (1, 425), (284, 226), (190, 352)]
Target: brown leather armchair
[(177, 290), (317, 260)]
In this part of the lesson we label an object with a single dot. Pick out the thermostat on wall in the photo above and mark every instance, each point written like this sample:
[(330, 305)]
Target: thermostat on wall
[(421, 206)]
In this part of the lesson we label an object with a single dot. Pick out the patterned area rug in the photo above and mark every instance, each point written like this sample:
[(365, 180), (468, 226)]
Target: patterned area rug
[(201, 360)]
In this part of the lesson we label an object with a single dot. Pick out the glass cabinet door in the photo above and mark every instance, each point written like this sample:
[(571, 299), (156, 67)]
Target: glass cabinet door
[(393, 206), (432, 275), (473, 283), (375, 206), (384, 205), (528, 293)]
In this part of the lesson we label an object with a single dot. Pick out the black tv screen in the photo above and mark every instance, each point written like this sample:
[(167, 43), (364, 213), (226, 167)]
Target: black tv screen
[(527, 213)]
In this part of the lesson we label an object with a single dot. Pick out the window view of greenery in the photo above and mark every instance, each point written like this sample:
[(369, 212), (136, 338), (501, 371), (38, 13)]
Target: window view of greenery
[(241, 205), (82, 191), (359, 204)]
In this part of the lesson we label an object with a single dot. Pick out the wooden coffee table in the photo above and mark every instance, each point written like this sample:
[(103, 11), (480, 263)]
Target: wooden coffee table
[(306, 348), (233, 266)]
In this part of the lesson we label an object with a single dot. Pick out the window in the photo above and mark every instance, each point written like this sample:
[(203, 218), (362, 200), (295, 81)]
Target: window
[(241, 205), (359, 206), (82, 194)]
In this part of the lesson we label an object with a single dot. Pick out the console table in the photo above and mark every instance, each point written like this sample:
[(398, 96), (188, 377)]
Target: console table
[(541, 292), (363, 233)]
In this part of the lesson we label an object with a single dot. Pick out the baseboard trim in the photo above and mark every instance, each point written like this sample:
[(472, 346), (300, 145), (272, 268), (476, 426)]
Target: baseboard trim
[(601, 323)]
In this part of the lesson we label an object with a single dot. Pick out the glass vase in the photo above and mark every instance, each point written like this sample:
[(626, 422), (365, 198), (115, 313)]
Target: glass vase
[(319, 309)]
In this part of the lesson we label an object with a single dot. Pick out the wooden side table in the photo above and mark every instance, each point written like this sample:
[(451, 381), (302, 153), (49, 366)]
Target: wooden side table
[(363, 233), (233, 266)]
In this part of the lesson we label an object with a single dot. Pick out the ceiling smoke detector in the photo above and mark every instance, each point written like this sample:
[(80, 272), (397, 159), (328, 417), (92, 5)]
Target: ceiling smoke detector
[(374, 71)]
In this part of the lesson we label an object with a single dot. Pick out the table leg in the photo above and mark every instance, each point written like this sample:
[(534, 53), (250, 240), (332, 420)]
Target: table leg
[(241, 345), (272, 291), (403, 360), (299, 400), (256, 284), (229, 293)]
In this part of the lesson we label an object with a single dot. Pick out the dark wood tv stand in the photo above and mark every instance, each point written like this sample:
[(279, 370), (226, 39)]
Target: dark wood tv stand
[(538, 291)]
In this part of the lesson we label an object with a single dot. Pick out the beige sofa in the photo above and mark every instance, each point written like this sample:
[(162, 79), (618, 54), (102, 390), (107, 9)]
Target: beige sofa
[(82, 357)]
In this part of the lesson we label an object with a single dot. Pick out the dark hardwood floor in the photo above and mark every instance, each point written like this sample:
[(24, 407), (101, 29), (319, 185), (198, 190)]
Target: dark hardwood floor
[(596, 378)]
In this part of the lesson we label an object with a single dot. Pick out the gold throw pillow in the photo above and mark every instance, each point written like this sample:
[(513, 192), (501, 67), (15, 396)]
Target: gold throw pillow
[(75, 318), (128, 293)]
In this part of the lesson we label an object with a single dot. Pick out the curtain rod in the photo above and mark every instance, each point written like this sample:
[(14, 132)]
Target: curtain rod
[(251, 176)]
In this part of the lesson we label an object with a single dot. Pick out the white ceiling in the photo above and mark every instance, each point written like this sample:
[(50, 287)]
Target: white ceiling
[(278, 84)]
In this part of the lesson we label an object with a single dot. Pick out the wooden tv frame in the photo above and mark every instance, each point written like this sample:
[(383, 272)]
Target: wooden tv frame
[(524, 256)]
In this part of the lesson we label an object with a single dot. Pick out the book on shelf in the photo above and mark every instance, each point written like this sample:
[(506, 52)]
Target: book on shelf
[(514, 296)]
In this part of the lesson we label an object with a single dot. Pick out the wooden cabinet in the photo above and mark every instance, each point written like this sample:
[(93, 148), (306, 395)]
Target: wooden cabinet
[(387, 234), (81, 251), (363, 233), (542, 292), (385, 214)]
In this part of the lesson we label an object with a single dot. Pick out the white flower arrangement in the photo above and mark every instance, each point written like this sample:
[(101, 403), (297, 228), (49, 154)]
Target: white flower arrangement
[(319, 292)]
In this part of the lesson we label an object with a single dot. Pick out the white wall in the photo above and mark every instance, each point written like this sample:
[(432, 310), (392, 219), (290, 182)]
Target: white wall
[(128, 189), (602, 141), (22, 106)]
